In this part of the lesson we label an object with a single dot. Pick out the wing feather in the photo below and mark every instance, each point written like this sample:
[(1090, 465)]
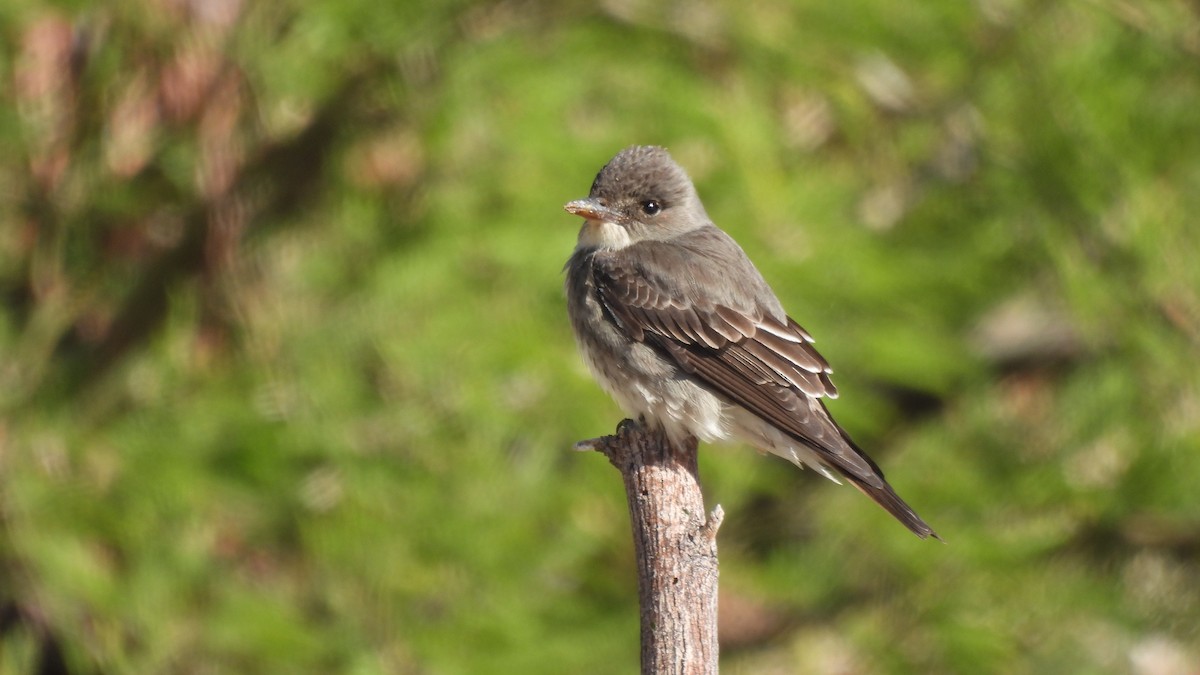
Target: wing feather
[(756, 361), (741, 345)]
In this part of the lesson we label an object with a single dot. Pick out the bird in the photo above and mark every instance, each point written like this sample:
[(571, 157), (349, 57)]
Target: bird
[(680, 328)]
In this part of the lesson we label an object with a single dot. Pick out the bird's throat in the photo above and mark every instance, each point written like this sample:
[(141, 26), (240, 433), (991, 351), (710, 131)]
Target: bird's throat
[(604, 235)]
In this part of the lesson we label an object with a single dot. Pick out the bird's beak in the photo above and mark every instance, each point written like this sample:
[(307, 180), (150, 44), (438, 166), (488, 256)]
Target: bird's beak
[(591, 209)]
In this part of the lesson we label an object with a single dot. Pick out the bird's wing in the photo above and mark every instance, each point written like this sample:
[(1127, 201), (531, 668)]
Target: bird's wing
[(729, 332), (739, 348)]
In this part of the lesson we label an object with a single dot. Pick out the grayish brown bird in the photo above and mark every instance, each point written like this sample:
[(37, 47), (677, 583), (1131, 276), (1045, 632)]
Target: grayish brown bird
[(680, 328)]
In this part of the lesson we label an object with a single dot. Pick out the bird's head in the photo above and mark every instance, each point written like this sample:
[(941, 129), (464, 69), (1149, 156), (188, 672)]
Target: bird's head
[(640, 195)]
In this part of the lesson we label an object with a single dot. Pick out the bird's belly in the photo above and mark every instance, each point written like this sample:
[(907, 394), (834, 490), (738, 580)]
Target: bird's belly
[(645, 385)]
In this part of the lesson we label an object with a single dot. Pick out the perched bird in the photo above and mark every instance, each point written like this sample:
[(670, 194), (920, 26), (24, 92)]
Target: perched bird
[(679, 327)]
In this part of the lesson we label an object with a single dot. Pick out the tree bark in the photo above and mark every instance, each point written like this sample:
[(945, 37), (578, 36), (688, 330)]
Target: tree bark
[(676, 547)]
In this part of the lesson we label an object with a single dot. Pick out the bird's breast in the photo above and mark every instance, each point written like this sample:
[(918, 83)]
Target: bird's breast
[(642, 381)]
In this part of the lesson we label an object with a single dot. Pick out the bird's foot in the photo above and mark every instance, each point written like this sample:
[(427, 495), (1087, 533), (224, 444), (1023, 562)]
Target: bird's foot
[(628, 426), (624, 429)]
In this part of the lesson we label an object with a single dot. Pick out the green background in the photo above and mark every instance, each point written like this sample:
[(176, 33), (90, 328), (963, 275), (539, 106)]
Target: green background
[(287, 386)]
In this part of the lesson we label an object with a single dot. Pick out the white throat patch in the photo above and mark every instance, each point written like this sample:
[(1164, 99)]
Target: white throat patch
[(604, 235)]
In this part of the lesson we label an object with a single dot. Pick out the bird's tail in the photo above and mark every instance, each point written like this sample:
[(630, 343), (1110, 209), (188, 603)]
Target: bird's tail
[(885, 496)]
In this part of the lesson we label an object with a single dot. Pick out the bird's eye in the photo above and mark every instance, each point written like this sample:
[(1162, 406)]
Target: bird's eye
[(651, 207)]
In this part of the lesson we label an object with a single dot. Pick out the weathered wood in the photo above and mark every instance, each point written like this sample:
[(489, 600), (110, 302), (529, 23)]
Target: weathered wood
[(676, 547)]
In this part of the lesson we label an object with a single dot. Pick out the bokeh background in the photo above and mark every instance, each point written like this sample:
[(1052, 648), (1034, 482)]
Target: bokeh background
[(286, 384)]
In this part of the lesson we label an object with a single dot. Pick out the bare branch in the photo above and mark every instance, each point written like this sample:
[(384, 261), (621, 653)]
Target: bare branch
[(676, 547)]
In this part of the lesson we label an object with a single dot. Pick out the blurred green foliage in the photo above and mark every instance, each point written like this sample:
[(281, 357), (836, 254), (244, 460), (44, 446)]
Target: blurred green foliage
[(286, 383)]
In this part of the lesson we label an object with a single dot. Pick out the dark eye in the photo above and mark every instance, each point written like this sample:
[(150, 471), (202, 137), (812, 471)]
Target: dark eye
[(651, 207)]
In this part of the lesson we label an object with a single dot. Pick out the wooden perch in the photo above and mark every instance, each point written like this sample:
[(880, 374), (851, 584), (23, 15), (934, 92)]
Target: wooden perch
[(676, 548)]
